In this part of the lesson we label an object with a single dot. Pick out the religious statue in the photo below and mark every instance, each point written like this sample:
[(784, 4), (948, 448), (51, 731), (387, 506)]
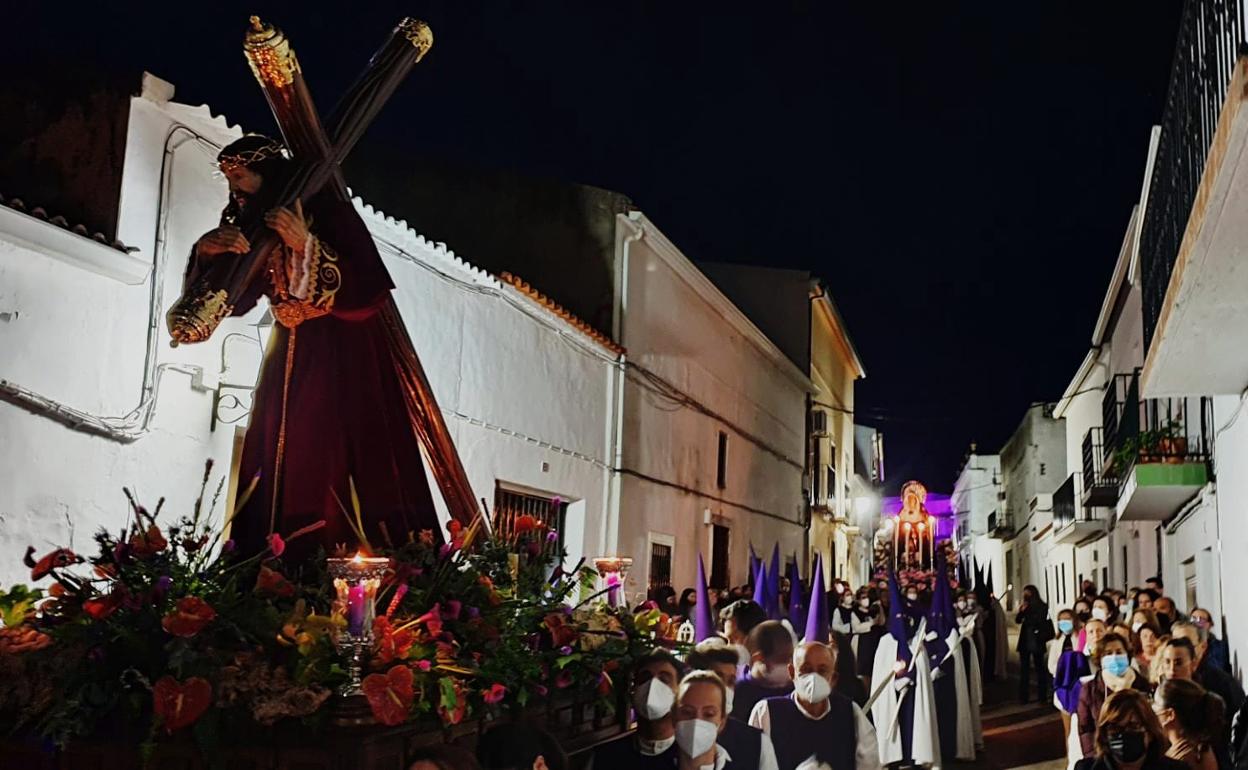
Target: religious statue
[(915, 533), (342, 410)]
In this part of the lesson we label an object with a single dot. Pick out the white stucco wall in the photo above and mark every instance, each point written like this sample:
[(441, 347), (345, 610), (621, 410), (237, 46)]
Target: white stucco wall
[(527, 397), (681, 328), (1230, 458)]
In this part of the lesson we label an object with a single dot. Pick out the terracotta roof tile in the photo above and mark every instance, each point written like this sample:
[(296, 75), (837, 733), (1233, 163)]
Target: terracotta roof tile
[(532, 293), (38, 212)]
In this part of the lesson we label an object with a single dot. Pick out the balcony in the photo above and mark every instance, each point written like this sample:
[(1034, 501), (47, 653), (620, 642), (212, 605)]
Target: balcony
[(1159, 449), (1073, 523), (1195, 213), (999, 527), (1099, 488)]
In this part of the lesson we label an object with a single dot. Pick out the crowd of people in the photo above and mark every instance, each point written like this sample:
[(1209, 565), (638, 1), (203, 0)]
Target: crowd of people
[(1138, 683), (891, 674)]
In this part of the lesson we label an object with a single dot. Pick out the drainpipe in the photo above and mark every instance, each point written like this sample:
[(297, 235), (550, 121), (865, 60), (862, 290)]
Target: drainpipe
[(609, 537)]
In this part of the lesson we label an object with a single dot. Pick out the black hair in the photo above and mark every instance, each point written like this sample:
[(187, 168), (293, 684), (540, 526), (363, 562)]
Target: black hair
[(274, 169), (1157, 579), (515, 746), (745, 614), (1184, 643), (658, 655)]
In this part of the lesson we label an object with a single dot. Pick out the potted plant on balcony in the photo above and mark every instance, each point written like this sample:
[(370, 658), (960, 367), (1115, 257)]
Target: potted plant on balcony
[(1148, 443), (1122, 459), (1172, 443)]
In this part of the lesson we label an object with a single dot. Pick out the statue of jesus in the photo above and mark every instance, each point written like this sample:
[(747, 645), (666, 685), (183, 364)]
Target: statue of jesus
[(329, 410)]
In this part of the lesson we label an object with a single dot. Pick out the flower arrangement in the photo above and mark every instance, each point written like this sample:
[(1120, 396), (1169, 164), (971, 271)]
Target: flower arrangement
[(167, 626)]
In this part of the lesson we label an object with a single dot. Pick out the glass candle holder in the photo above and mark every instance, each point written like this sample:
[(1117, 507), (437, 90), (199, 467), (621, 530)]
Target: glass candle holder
[(612, 575), (356, 581)]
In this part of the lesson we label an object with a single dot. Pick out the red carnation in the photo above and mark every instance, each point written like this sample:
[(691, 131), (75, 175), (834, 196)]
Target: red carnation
[(61, 557), (270, 582), (148, 543), (101, 607), (179, 704), (190, 615), (277, 545), (527, 523), (495, 694), (390, 695)]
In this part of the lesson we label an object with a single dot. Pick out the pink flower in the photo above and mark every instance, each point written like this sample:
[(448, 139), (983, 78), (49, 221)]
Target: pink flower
[(495, 694), (424, 665), (277, 545), (563, 679)]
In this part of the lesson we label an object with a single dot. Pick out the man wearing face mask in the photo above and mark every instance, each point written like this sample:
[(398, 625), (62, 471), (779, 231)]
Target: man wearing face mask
[(749, 748), (653, 745), (771, 649), (814, 727)]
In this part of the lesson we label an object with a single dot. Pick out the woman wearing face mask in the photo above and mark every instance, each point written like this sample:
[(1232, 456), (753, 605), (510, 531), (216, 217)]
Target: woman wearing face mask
[(1141, 618), (701, 713), (1116, 675), (1147, 640), (1104, 608), (1083, 611), (1033, 636), (1067, 665), (1129, 737), (1193, 719)]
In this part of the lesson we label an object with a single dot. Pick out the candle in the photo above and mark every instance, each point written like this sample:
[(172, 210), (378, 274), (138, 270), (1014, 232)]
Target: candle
[(613, 590), (356, 601)]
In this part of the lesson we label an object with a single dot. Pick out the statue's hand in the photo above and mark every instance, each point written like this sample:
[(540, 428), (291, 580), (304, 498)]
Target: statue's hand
[(226, 238), (290, 225)]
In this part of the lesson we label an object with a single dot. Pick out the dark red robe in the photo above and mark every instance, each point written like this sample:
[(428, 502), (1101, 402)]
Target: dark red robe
[(331, 410)]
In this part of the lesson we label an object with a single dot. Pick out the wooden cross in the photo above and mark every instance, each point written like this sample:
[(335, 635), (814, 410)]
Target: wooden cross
[(317, 155)]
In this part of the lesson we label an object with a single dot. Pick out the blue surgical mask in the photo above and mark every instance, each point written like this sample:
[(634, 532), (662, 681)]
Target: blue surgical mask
[(1065, 626), (1115, 664)]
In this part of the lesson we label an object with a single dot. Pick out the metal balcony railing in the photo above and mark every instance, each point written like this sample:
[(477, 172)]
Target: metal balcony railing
[(1211, 36), (1167, 430)]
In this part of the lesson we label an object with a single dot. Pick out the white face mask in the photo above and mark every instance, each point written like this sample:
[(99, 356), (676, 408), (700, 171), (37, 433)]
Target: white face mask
[(695, 737), (848, 601), (812, 688), (1099, 613), (912, 597), (653, 700), (864, 603), (1137, 625), (728, 699)]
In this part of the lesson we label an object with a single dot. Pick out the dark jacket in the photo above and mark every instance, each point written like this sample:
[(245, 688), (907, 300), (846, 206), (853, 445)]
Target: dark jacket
[(1222, 684), (1091, 698), (1035, 627), (1107, 763)]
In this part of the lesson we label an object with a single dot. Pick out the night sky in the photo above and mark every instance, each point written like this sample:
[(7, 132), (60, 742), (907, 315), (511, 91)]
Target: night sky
[(960, 174)]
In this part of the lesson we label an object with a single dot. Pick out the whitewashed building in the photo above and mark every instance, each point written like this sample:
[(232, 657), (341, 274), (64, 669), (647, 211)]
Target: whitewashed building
[(1194, 289), (94, 398), (692, 442), (977, 497), (713, 418)]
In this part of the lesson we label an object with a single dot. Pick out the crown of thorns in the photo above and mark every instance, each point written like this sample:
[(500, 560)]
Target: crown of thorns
[(247, 158)]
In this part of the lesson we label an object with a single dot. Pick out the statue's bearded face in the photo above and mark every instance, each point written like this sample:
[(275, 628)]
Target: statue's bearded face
[(244, 184)]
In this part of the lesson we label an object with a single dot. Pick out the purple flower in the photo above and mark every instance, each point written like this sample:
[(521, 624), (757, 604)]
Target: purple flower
[(227, 546), (451, 611), (445, 550), (473, 613), (163, 584), (565, 649), (552, 536)]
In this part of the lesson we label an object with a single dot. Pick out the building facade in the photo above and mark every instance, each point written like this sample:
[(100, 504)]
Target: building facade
[(976, 500), (94, 397)]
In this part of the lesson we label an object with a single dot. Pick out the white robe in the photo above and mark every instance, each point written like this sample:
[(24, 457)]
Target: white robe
[(925, 745), (977, 694), (966, 710)]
